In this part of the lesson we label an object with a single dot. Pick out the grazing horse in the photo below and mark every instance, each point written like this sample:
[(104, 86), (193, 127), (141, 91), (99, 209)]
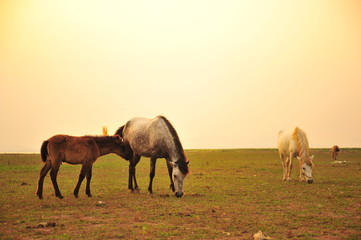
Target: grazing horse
[(76, 150), (155, 138), (292, 144), (335, 151)]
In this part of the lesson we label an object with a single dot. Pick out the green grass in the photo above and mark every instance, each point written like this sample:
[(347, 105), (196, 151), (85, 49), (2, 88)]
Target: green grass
[(228, 194)]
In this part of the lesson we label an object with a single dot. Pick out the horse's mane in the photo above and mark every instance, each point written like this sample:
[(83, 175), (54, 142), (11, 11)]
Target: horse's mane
[(182, 163), (302, 143), (120, 131), (101, 139)]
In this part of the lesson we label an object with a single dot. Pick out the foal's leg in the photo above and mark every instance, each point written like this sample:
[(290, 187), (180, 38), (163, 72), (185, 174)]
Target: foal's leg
[(43, 173), (88, 178), (83, 172), (53, 174), (170, 171), (152, 174)]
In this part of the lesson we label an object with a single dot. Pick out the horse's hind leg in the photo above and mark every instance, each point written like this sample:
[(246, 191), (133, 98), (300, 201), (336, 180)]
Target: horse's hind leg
[(53, 175), (43, 173), (88, 178), (152, 174), (83, 172)]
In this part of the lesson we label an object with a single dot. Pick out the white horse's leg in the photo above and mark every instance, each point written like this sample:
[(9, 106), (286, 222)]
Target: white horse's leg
[(301, 175), (284, 166), (289, 167)]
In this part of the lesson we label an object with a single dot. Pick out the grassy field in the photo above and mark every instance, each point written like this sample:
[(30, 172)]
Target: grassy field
[(229, 194)]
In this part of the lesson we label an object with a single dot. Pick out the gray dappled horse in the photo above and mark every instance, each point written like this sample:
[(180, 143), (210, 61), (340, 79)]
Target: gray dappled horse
[(75, 150), (155, 138)]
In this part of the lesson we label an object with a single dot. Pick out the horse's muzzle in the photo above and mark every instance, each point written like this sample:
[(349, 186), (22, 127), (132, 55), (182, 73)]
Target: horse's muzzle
[(310, 180), (179, 194)]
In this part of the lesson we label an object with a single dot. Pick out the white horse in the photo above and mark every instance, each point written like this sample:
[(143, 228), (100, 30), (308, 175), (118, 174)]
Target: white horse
[(294, 143)]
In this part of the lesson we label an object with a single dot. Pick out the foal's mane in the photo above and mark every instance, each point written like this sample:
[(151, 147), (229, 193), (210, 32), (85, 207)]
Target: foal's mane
[(182, 163), (101, 139), (302, 144)]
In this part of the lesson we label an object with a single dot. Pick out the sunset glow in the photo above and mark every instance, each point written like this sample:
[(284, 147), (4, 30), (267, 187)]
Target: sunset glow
[(227, 74)]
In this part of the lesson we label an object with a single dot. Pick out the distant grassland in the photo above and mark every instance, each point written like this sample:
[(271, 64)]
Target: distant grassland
[(229, 194)]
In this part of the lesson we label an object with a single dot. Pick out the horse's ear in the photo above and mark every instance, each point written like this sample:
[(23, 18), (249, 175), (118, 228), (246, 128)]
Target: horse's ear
[(312, 157), (173, 164), (120, 138), (187, 163), (299, 158)]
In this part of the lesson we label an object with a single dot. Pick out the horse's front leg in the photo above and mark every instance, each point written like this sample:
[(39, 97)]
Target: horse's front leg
[(83, 172), (284, 166), (289, 167), (53, 174), (151, 174), (133, 163), (170, 171), (301, 175), (88, 178), (130, 176), (43, 173)]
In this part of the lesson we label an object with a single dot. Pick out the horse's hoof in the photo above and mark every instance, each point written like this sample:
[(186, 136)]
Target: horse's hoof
[(89, 195), (40, 196), (60, 197)]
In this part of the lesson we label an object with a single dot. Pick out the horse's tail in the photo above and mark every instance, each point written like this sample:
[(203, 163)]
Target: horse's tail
[(44, 150)]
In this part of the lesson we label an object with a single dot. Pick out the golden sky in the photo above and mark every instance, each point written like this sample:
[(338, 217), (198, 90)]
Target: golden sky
[(227, 74)]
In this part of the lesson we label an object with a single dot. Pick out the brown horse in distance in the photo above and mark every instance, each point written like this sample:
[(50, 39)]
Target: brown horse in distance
[(335, 150), (76, 150)]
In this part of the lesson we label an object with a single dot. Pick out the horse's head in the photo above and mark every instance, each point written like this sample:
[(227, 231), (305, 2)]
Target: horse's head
[(180, 171), (306, 168), (121, 148)]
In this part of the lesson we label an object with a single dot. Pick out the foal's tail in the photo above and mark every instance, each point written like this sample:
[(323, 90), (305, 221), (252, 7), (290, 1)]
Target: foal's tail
[(44, 150)]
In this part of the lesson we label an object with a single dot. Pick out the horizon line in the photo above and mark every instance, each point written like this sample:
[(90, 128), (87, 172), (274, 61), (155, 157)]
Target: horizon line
[(195, 149)]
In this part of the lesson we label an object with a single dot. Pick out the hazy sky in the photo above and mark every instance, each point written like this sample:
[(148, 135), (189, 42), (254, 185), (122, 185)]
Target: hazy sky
[(227, 74)]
